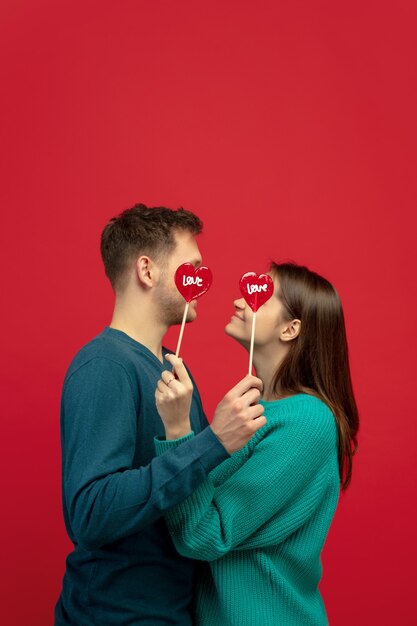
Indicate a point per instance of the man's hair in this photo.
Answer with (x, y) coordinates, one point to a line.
(142, 230)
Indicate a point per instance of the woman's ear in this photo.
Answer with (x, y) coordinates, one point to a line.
(147, 272)
(291, 330)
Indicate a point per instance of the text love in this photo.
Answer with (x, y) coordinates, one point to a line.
(256, 288)
(192, 280)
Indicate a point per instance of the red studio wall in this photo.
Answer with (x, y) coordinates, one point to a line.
(289, 127)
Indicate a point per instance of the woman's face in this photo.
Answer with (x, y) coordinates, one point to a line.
(270, 321)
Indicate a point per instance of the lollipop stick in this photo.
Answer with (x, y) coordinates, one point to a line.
(251, 343)
(184, 317)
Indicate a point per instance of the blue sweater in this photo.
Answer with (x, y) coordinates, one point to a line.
(124, 568)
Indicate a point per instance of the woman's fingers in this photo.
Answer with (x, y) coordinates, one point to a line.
(162, 387)
(180, 369)
(168, 378)
(173, 397)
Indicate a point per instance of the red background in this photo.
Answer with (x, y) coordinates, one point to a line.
(289, 127)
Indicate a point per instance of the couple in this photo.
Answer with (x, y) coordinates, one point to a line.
(177, 522)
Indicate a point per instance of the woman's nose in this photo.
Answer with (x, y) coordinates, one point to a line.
(239, 304)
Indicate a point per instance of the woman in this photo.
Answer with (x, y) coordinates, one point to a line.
(261, 519)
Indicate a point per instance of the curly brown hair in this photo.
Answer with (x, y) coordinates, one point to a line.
(142, 230)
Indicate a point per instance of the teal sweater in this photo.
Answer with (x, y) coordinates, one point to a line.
(260, 521)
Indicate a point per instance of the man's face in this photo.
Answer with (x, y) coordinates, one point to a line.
(170, 301)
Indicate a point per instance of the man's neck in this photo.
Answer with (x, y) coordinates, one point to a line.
(143, 326)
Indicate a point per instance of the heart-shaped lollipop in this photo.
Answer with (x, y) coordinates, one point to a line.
(193, 282)
(256, 289)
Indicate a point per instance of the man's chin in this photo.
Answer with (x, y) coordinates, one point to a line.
(176, 319)
(192, 315)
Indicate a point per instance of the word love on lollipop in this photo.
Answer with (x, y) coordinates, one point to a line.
(191, 283)
(256, 290)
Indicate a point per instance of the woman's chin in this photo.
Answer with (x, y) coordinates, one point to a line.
(231, 331)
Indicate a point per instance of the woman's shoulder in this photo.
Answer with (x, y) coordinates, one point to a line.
(297, 423)
(297, 405)
(302, 413)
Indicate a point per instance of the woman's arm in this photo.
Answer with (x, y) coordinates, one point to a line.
(284, 479)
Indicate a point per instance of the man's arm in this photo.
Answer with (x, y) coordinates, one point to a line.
(106, 499)
(236, 419)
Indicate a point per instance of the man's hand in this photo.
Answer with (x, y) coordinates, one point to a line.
(173, 399)
(239, 416)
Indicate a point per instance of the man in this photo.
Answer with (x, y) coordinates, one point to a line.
(124, 569)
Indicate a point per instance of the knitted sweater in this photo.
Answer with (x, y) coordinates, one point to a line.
(260, 521)
(115, 491)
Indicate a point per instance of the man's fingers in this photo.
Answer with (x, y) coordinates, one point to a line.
(258, 422)
(255, 412)
(244, 385)
(251, 396)
(179, 368)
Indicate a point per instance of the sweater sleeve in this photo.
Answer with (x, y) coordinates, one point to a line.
(106, 498)
(281, 482)
(201, 415)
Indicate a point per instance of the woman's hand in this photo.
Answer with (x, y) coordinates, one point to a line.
(173, 397)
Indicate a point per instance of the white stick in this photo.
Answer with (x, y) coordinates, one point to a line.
(251, 343)
(184, 317)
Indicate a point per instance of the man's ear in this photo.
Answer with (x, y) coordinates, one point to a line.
(147, 272)
(291, 330)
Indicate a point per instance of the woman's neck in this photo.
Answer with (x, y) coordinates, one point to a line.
(266, 366)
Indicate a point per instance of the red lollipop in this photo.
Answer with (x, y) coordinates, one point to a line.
(192, 283)
(256, 290)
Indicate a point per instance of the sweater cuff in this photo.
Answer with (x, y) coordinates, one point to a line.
(209, 448)
(161, 445)
(205, 447)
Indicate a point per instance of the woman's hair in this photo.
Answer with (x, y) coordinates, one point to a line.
(317, 362)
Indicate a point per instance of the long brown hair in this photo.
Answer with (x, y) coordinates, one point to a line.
(317, 362)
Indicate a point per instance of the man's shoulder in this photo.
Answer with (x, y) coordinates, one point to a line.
(105, 348)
